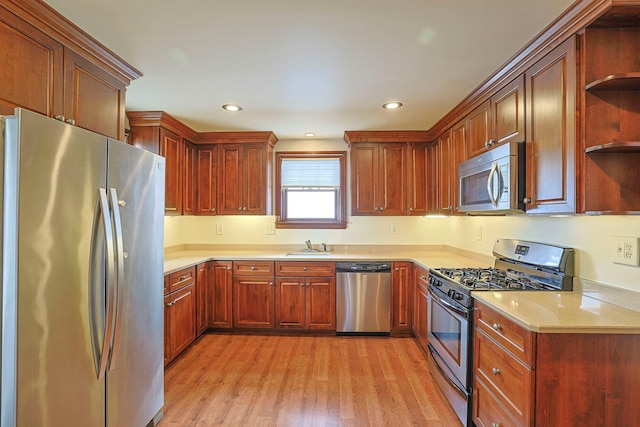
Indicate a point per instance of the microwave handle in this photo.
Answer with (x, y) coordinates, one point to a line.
(495, 171)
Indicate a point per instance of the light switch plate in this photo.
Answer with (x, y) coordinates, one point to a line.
(219, 229)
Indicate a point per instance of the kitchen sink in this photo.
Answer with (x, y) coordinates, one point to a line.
(307, 252)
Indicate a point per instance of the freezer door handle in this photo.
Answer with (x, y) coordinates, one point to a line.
(101, 262)
(117, 227)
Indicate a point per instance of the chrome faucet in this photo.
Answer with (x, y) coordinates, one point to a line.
(324, 247)
(308, 242)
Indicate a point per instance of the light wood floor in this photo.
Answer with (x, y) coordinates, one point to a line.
(250, 380)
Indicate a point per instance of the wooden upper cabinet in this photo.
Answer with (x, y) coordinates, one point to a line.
(551, 131)
(52, 67)
(206, 180)
(445, 175)
(31, 76)
(93, 98)
(479, 128)
(244, 179)
(420, 182)
(458, 155)
(508, 113)
(498, 120)
(189, 168)
(172, 150)
(379, 179)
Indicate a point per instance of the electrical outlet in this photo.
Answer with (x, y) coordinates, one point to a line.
(479, 233)
(270, 229)
(219, 229)
(626, 250)
(394, 229)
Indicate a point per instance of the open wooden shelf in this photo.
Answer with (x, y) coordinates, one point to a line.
(623, 81)
(615, 147)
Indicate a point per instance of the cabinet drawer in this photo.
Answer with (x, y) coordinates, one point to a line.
(487, 410)
(511, 336)
(509, 380)
(181, 278)
(253, 268)
(422, 276)
(304, 268)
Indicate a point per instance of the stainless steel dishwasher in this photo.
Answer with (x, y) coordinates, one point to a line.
(363, 298)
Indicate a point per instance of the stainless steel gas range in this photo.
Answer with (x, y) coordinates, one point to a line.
(519, 265)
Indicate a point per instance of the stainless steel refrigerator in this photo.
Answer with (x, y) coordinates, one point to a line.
(82, 269)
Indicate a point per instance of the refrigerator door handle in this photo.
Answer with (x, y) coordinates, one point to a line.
(98, 306)
(117, 226)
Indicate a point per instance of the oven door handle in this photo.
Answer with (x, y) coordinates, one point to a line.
(462, 312)
(444, 374)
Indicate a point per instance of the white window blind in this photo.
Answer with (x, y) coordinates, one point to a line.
(310, 173)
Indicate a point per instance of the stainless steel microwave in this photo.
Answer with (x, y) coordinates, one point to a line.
(494, 182)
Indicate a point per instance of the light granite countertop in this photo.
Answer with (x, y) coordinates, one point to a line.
(590, 308)
(561, 312)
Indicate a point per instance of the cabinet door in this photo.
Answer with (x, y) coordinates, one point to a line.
(445, 205)
(230, 179)
(92, 97)
(219, 294)
(459, 155)
(256, 181)
(188, 189)
(206, 194)
(422, 315)
(31, 73)
(364, 179)
(182, 319)
(401, 277)
(419, 179)
(202, 286)
(253, 305)
(321, 303)
(171, 150)
(508, 114)
(551, 131)
(290, 302)
(479, 128)
(392, 176)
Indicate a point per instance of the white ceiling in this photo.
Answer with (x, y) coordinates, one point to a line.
(297, 66)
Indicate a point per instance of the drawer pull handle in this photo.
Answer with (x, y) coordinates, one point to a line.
(183, 277)
(495, 371)
(253, 267)
(497, 326)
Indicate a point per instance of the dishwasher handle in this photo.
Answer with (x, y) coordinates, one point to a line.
(363, 267)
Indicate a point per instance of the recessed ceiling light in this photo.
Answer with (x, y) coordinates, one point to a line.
(309, 134)
(392, 105)
(232, 107)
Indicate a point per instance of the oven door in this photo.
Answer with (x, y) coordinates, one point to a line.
(448, 332)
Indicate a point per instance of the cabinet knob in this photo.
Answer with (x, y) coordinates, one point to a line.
(376, 209)
(239, 208)
(183, 277)
(304, 268)
(270, 283)
(381, 208)
(423, 277)
(59, 117)
(526, 200)
(72, 122)
(244, 208)
(497, 326)
(122, 203)
(495, 371)
(228, 268)
(253, 267)
(495, 424)
(410, 209)
(213, 209)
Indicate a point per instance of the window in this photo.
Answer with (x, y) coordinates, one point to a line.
(310, 190)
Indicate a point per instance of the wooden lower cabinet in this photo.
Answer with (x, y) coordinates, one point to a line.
(401, 280)
(523, 378)
(306, 295)
(180, 321)
(202, 287)
(253, 302)
(219, 294)
(421, 307)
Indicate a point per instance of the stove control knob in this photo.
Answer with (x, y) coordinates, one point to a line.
(459, 296)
